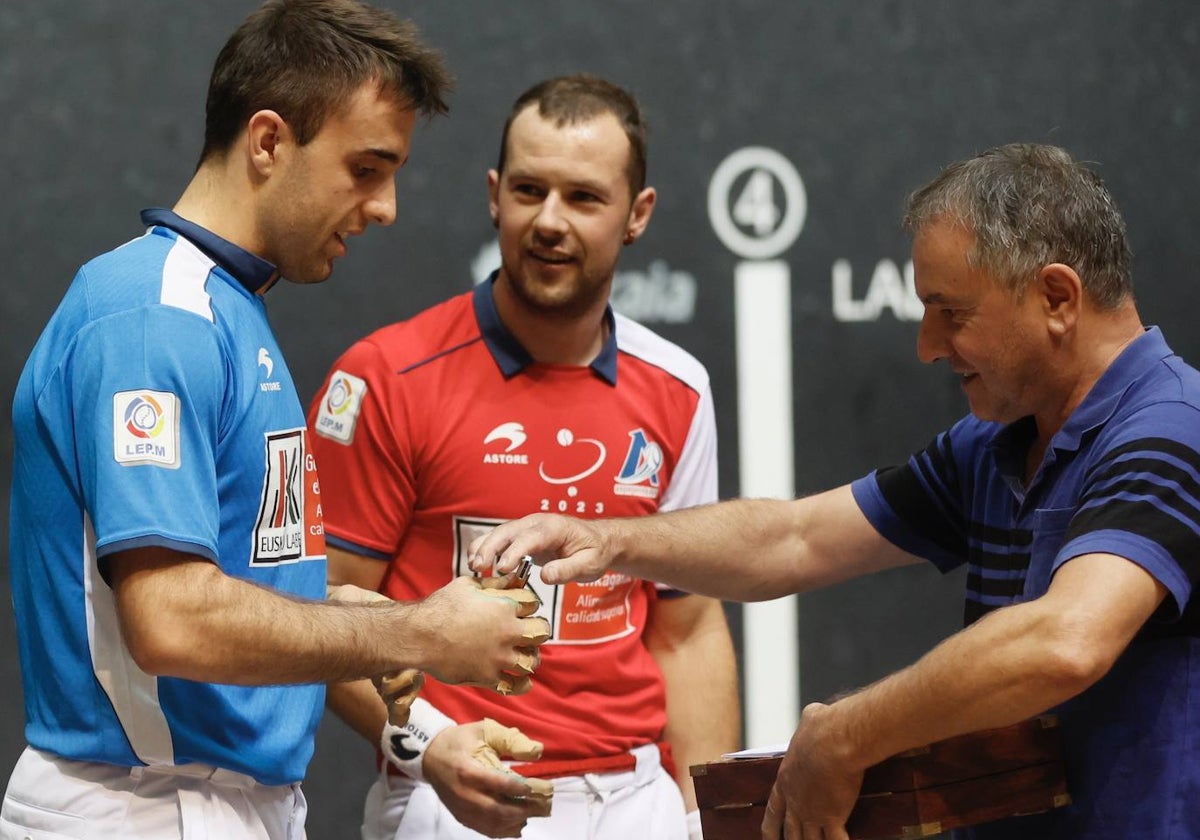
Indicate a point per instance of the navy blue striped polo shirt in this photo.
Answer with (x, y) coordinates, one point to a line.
(1122, 476)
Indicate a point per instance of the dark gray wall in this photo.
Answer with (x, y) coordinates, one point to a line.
(102, 115)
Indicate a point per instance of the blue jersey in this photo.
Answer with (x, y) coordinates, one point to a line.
(1122, 476)
(156, 410)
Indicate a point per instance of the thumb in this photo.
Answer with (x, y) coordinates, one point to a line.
(526, 600)
(399, 691)
(510, 741)
(567, 569)
(505, 740)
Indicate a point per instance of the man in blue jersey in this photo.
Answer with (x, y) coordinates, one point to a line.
(1072, 493)
(167, 554)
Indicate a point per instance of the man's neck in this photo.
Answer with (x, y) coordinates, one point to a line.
(549, 337)
(1096, 349)
(209, 202)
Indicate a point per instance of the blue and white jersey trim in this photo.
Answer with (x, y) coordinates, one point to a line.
(133, 692)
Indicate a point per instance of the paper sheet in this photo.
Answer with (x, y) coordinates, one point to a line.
(759, 752)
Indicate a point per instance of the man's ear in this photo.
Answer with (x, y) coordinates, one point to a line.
(493, 182)
(266, 133)
(1060, 292)
(639, 214)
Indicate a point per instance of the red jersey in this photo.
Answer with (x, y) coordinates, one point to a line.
(431, 431)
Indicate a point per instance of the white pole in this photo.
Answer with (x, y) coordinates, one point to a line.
(763, 320)
(748, 219)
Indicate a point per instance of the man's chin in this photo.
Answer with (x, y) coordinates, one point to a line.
(305, 278)
(546, 298)
(992, 413)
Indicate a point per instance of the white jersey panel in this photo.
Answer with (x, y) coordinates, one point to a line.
(184, 277)
(643, 343)
(694, 481)
(133, 692)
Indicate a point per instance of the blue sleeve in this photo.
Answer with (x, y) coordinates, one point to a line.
(1141, 499)
(891, 527)
(147, 387)
(921, 506)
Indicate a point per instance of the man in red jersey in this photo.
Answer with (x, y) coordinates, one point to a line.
(529, 394)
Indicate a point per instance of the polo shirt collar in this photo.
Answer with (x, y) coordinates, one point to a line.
(1143, 353)
(254, 273)
(1096, 408)
(512, 358)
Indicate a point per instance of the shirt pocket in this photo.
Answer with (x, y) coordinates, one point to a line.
(1049, 532)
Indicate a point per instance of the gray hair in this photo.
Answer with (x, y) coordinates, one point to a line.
(1030, 205)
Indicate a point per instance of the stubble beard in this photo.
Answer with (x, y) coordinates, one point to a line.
(313, 268)
(572, 298)
(298, 257)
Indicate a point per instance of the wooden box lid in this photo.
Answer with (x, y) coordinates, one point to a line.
(969, 779)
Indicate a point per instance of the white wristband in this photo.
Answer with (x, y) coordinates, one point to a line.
(404, 746)
(693, 826)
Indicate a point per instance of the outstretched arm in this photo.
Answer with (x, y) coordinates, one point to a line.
(744, 549)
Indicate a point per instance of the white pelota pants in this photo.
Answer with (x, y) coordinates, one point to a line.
(52, 798)
(640, 803)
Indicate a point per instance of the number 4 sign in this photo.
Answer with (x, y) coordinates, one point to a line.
(754, 206)
(748, 219)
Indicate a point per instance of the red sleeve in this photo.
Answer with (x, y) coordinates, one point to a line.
(363, 459)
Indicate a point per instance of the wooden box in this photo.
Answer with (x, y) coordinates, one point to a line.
(961, 781)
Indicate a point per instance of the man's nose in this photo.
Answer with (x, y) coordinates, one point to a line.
(551, 218)
(931, 341)
(381, 207)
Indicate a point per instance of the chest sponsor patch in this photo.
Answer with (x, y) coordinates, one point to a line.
(338, 413)
(639, 473)
(290, 524)
(146, 428)
(578, 613)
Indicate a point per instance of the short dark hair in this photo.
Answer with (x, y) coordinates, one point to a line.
(304, 58)
(580, 97)
(1030, 205)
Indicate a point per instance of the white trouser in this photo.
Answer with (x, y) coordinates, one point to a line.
(628, 805)
(53, 798)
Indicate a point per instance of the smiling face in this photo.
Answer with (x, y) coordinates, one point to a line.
(994, 340)
(563, 208)
(333, 187)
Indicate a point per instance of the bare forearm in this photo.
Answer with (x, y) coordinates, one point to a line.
(1009, 666)
(704, 549)
(223, 629)
(690, 641)
(702, 714)
(359, 705)
(183, 616)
